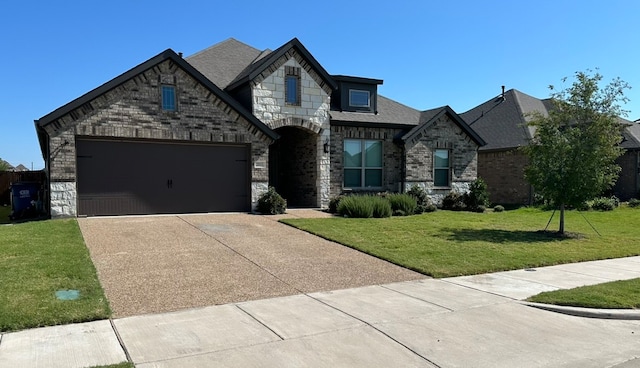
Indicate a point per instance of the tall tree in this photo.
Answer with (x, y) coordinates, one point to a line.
(4, 165)
(573, 152)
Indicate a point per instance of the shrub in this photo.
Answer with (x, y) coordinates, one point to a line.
(402, 204)
(422, 200)
(271, 203)
(498, 208)
(634, 202)
(477, 196)
(604, 203)
(334, 202)
(364, 206)
(478, 209)
(454, 201)
(430, 208)
(381, 207)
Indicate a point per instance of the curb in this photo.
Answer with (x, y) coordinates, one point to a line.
(619, 314)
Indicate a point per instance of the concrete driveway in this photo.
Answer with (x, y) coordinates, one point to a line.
(154, 264)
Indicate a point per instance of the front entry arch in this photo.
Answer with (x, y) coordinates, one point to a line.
(293, 166)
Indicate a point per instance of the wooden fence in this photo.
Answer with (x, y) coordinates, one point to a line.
(8, 177)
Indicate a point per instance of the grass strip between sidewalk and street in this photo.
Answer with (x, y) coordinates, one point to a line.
(611, 295)
(447, 243)
(38, 259)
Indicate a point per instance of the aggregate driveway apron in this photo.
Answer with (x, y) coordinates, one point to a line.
(154, 264)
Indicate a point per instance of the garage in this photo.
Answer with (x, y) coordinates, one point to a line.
(123, 177)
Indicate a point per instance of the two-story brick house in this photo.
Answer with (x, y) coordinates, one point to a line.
(211, 132)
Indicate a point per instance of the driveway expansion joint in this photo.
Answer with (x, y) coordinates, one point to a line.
(120, 341)
(260, 322)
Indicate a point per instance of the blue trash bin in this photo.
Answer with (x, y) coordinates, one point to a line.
(25, 197)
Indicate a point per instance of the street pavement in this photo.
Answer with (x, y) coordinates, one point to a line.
(468, 321)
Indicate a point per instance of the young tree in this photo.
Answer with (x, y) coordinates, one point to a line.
(573, 152)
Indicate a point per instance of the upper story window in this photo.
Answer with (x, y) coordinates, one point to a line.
(292, 85)
(441, 168)
(362, 163)
(359, 98)
(168, 98)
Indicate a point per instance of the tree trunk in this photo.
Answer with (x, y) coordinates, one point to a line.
(561, 230)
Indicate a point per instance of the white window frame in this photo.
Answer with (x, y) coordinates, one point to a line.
(359, 91)
(363, 168)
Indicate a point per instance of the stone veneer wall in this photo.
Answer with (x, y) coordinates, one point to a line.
(392, 156)
(133, 110)
(463, 159)
(503, 171)
(268, 95)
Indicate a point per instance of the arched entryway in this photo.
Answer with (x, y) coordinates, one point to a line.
(293, 166)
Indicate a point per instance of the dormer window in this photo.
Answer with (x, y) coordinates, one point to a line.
(292, 85)
(359, 98)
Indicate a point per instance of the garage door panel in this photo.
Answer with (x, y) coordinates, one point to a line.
(123, 177)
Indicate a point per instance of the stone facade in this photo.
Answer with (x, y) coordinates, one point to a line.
(133, 110)
(463, 158)
(309, 167)
(503, 171)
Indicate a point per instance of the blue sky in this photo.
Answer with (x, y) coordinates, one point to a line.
(429, 53)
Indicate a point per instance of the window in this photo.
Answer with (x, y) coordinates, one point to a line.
(358, 98)
(292, 85)
(441, 168)
(362, 163)
(168, 98)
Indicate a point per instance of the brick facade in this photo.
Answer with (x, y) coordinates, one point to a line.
(463, 158)
(503, 171)
(628, 184)
(133, 110)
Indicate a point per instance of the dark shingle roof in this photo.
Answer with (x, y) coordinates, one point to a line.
(389, 112)
(502, 122)
(631, 136)
(224, 61)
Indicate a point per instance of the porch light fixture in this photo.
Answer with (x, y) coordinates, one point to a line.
(326, 146)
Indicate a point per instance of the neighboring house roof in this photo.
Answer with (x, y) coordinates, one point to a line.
(165, 55)
(502, 121)
(8, 166)
(224, 61)
(631, 137)
(20, 167)
(389, 112)
(265, 60)
(427, 117)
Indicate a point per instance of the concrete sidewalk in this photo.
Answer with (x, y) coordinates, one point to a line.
(470, 321)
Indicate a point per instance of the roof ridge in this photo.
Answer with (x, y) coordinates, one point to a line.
(218, 44)
(528, 130)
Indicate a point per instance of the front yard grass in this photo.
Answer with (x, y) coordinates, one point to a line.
(36, 260)
(611, 295)
(446, 243)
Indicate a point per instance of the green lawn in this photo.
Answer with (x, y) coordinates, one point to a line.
(611, 295)
(36, 260)
(446, 243)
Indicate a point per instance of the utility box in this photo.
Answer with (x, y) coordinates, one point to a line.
(26, 201)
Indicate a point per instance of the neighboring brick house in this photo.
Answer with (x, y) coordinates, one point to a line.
(502, 123)
(211, 132)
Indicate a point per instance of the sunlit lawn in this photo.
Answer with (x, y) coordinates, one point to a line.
(36, 260)
(446, 243)
(611, 295)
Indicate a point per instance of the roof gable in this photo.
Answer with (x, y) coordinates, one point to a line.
(83, 102)
(429, 117)
(267, 64)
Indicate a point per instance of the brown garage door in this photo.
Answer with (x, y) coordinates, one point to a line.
(135, 177)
